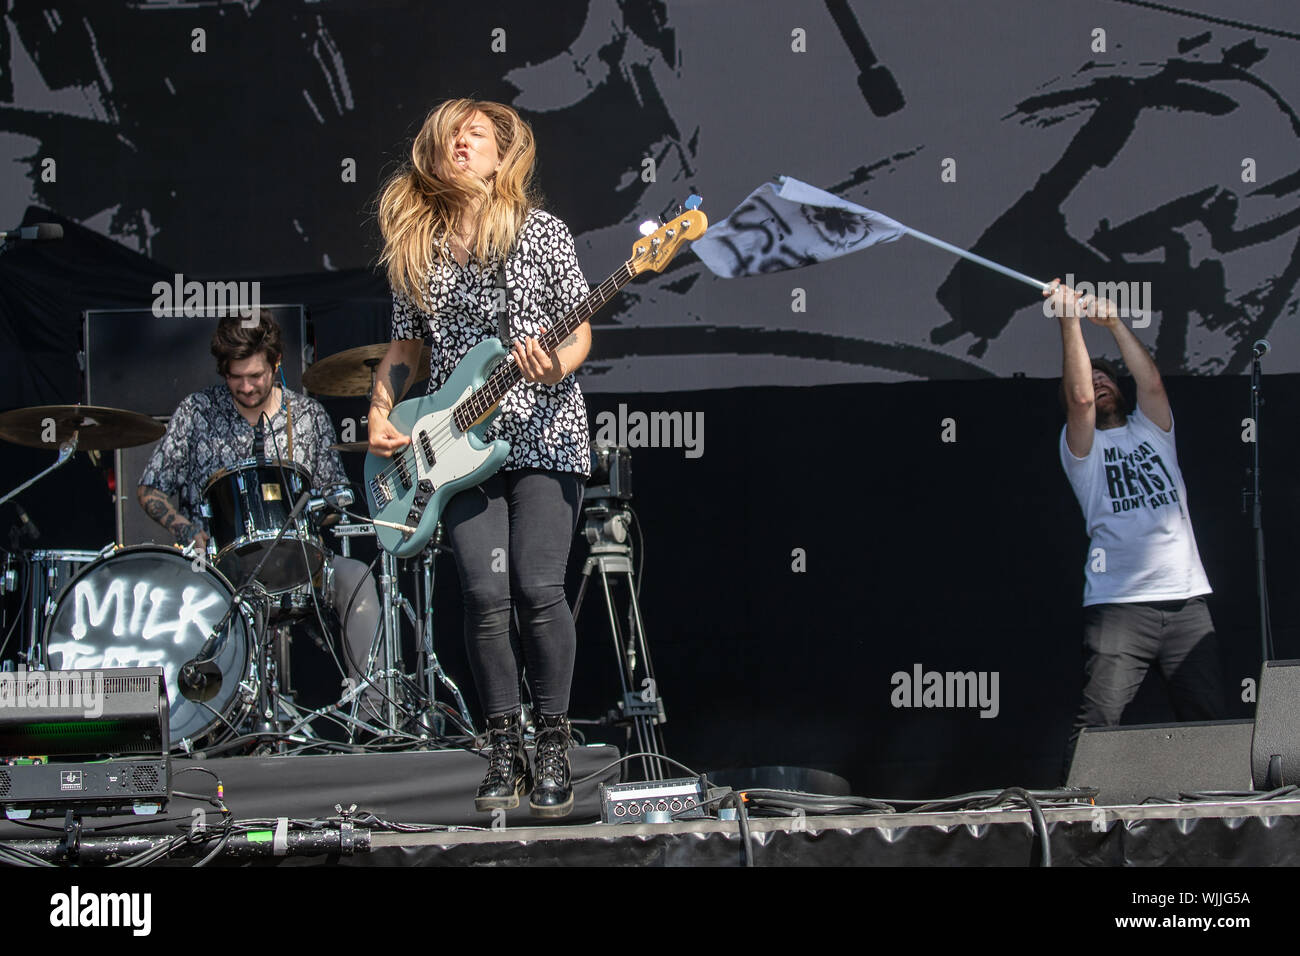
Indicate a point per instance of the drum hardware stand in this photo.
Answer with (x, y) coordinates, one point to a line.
(343, 710)
(279, 710)
(378, 673)
(390, 630)
(606, 524)
(427, 664)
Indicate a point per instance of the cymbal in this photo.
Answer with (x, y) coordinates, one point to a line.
(345, 374)
(97, 428)
(351, 446)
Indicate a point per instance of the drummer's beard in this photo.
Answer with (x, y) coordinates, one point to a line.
(257, 398)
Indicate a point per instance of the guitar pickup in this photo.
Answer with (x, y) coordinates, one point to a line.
(403, 467)
(426, 446)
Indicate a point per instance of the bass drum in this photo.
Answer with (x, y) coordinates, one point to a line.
(150, 606)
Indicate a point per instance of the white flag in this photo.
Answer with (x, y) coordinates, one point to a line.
(787, 226)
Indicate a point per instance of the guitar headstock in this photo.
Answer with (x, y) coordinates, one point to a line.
(653, 252)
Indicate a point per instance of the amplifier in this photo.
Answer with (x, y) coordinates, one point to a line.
(117, 710)
(631, 802)
(39, 790)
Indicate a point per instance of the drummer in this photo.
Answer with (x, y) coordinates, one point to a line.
(214, 428)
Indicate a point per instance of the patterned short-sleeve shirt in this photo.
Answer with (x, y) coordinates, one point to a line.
(207, 434)
(546, 425)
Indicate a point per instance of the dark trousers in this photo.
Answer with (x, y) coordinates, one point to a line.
(511, 538)
(1121, 641)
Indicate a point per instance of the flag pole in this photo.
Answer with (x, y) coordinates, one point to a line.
(989, 263)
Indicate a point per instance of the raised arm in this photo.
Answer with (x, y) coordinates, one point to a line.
(1080, 409)
(1151, 397)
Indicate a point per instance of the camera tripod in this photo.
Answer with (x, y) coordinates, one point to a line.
(606, 522)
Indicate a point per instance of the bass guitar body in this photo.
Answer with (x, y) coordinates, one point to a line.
(414, 486)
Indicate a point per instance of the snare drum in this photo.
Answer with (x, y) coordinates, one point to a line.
(149, 606)
(247, 505)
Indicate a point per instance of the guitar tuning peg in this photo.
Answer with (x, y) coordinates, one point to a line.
(693, 201)
(649, 226)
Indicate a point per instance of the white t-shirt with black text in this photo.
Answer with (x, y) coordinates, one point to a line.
(1134, 503)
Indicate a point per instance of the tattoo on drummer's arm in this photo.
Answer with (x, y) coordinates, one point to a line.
(157, 507)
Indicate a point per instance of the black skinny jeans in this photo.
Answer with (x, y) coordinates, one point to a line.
(1121, 641)
(511, 538)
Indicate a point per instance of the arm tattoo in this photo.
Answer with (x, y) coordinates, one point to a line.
(398, 373)
(157, 507)
(573, 337)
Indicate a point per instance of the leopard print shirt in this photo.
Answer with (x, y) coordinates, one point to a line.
(546, 425)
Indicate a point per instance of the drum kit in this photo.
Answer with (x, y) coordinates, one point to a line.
(217, 622)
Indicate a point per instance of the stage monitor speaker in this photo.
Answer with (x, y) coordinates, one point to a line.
(1275, 747)
(1129, 764)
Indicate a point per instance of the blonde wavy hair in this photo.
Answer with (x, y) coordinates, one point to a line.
(420, 211)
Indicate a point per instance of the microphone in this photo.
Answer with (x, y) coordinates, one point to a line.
(37, 233)
(26, 525)
(200, 680)
(1261, 348)
(200, 677)
(259, 443)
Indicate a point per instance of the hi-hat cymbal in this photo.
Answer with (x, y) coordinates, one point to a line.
(97, 428)
(346, 374)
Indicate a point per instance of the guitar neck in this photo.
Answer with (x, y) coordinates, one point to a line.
(507, 374)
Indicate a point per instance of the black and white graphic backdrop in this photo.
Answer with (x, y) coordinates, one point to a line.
(1117, 140)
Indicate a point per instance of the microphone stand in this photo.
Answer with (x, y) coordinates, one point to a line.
(66, 451)
(1257, 517)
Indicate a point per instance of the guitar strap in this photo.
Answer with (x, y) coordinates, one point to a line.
(503, 315)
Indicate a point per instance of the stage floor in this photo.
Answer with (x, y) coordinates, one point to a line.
(416, 809)
(1204, 834)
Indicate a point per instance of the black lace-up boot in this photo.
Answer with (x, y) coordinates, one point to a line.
(507, 774)
(553, 790)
